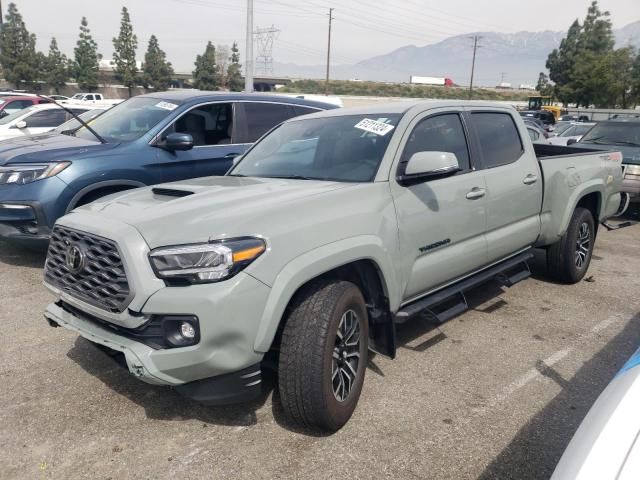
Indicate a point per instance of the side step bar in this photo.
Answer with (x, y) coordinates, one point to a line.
(450, 301)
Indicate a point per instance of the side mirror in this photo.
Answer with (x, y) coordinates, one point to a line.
(429, 165)
(571, 141)
(178, 141)
(20, 124)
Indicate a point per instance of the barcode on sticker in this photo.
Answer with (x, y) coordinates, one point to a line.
(373, 126)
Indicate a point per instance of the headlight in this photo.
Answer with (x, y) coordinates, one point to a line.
(27, 173)
(205, 262)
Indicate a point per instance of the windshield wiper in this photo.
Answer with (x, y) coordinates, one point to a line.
(625, 142)
(70, 112)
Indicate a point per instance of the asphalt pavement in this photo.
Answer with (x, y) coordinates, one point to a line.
(495, 393)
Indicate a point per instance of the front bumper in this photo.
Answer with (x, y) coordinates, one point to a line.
(631, 185)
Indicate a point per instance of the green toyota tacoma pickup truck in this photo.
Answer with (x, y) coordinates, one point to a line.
(332, 229)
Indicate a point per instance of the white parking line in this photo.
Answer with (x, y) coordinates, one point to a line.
(556, 357)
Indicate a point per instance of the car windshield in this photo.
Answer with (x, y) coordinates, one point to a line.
(614, 133)
(71, 125)
(12, 117)
(128, 120)
(340, 148)
(562, 127)
(78, 96)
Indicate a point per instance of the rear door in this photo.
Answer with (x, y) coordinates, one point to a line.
(441, 222)
(257, 118)
(514, 183)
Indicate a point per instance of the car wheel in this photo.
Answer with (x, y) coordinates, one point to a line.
(568, 259)
(323, 355)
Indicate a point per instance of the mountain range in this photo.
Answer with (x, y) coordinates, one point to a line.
(516, 58)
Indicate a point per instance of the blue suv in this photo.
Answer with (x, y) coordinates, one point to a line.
(145, 140)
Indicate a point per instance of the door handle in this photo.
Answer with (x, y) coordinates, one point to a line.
(530, 179)
(476, 193)
(231, 155)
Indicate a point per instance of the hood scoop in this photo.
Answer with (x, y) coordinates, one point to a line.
(171, 192)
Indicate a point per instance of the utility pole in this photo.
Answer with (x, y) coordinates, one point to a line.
(326, 83)
(475, 39)
(1, 16)
(248, 63)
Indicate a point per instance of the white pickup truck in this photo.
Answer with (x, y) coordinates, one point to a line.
(93, 99)
(328, 232)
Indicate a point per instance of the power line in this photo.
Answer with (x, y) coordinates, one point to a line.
(248, 74)
(475, 39)
(265, 38)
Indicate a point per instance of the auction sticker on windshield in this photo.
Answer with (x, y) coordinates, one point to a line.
(374, 126)
(166, 105)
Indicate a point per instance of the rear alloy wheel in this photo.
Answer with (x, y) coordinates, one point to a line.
(323, 354)
(568, 259)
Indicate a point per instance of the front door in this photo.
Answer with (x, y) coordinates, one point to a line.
(213, 128)
(441, 222)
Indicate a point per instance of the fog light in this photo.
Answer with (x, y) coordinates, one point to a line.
(187, 330)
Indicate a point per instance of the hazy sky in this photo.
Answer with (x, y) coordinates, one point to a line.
(362, 28)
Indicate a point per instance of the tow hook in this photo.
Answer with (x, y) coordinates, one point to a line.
(137, 371)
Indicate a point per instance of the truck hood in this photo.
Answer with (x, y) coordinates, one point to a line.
(48, 147)
(212, 207)
(630, 155)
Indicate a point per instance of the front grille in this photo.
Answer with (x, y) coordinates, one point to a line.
(97, 276)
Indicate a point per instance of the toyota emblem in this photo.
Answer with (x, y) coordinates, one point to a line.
(74, 258)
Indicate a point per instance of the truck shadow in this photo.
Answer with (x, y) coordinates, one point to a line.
(537, 447)
(18, 255)
(163, 403)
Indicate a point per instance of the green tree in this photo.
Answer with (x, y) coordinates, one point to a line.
(124, 55)
(56, 67)
(85, 67)
(235, 82)
(156, 70)
(543, 86)
(17, 49)
(561, 63)
(635, 80)
(620, 76)
(205, 76)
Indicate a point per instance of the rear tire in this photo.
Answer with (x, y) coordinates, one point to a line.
(568, 259)
(323, 355)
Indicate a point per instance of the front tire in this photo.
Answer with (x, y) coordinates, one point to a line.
(323, 355)
(568, 259)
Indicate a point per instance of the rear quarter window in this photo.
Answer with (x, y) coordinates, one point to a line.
(498, 138)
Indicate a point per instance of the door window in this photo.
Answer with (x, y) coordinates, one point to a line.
(16, 105)
(46, 119)
(262, 117)
(442, 133)
(533, 134)
(208, 124)
(500, 142)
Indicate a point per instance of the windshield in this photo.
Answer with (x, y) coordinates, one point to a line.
(128, 120)
(614, 133)
(15, 115)
(342, 149)
(73, 124)
(561, 127)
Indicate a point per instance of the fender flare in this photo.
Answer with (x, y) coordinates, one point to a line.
(311, 265)
(98, 185)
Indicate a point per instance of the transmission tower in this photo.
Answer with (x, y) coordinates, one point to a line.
(265, 38)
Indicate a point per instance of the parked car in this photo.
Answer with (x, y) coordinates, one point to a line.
(327, 232)
(35, 119)
(560, 127)
(606, 444)
(58, 98)
(94, 98)
(70, 126)
(12, 104)
(536, 134)
(145, 140)
(574, 118)
(572, 134)
(622, 134)
(544, 116)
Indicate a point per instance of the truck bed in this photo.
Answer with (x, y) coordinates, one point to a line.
(546, 151)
